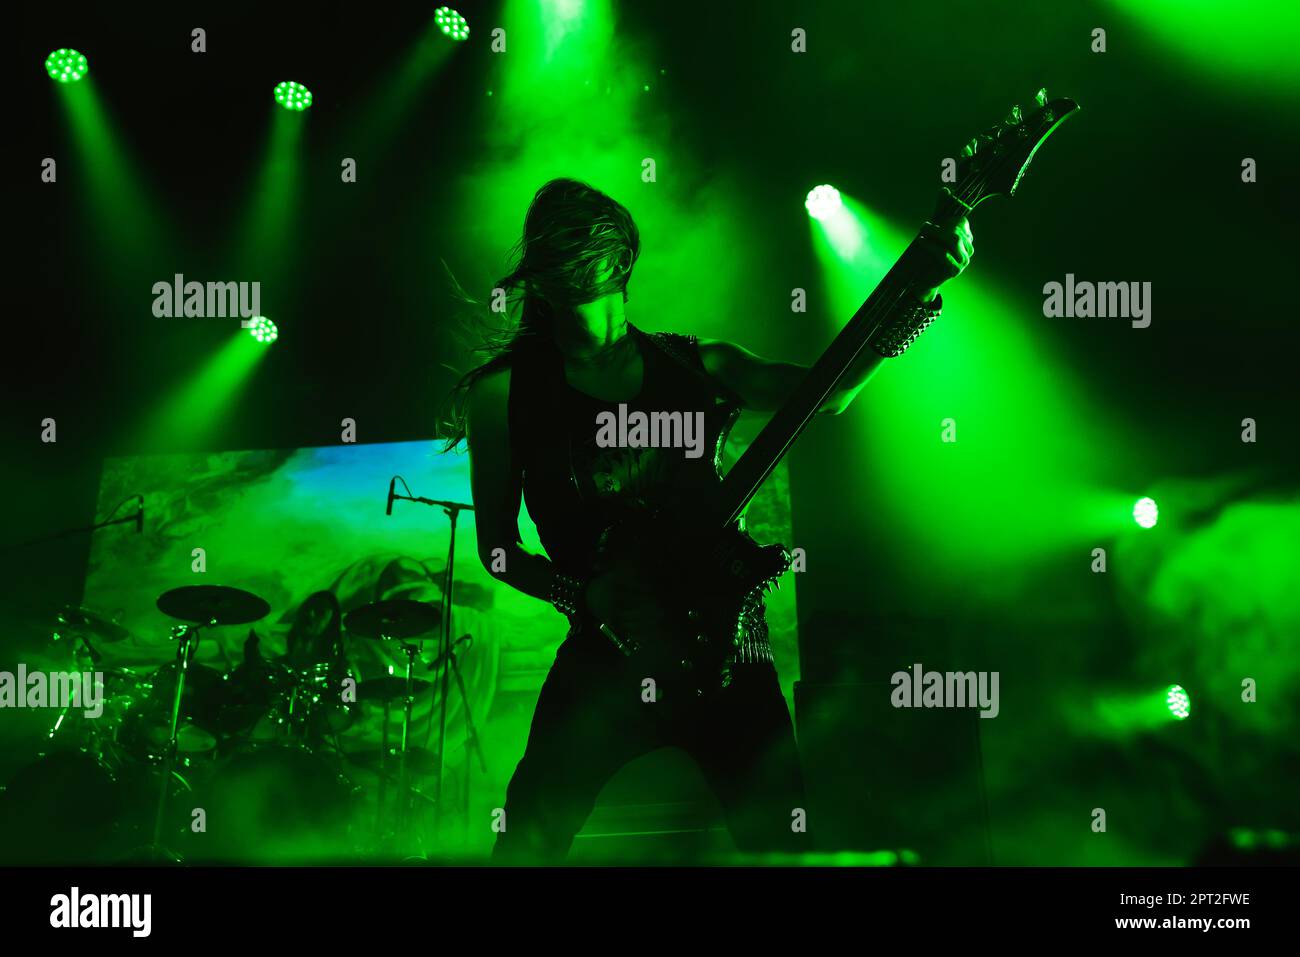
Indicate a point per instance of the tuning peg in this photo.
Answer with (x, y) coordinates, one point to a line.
(1014, 118)
(1040, 98)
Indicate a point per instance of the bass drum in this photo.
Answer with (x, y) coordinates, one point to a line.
(320, 696)
(304, 709)
(248, 694)
(146, 726)
(275, 804)
(64, 809)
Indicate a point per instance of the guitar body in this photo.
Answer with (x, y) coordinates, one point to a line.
(710, 582)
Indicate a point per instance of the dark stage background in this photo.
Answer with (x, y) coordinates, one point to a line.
(970, 555)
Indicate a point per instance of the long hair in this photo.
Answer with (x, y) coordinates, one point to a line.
(578, 246)
(317, 631)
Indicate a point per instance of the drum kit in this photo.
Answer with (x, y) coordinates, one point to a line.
(242, 766)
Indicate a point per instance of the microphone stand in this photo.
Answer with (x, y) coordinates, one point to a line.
(472, 742)
(137, 516)
(446, 656)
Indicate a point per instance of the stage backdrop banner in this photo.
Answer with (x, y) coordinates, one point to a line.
(285, 524)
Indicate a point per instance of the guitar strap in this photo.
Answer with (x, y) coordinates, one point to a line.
(684, 351)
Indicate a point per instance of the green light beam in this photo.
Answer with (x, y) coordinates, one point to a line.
(1021, 478)
(267, 240)
(1247, 43)
(127, 229)
(393, 98)
(189, 418)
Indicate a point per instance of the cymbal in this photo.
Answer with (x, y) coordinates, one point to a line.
(390, 688)
(419, 761)
(83, 621)
(221, 604)
(472, 595)
(395, 618)
(465, 594)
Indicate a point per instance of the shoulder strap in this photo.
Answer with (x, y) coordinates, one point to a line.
(685, 351)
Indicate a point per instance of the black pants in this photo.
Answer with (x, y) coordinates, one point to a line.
(591, 720)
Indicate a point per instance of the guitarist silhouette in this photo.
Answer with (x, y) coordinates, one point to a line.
(667, 643)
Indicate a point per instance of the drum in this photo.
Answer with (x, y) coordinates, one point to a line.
(98, 734)
(63, 809)
(147, 725)
(275, 804)
(249, 694)
(305, 707)
(320, 700)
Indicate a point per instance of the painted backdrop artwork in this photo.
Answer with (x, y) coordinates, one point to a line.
(287, 524)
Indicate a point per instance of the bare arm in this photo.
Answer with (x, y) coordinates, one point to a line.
(496, 484)
(618, 595)
(763, 385)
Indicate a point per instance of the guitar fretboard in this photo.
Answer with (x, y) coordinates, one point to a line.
(779, 434)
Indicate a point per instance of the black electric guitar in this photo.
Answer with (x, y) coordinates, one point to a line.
(700, 559)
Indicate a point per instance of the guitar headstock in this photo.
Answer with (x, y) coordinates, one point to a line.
(993, 163)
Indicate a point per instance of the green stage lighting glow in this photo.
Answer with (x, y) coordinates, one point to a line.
(1179, 702)
(292, 96)
(451, 23)
(822, 201)
(263, 330)
(1145, 512)
(66, 66)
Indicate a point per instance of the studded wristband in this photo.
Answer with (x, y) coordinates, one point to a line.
(901, 329)
(566, 594)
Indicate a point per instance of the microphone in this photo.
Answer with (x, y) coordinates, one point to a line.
(392, 485)
(139, 515)
(463, 639)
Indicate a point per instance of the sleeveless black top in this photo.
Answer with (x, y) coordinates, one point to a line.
(573, 487)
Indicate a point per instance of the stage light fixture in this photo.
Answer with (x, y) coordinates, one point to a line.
(1145, 512)
(822, 201)
(66, 66)
(451, 23)
(292, 96)
(1178, 701)
(263, 330)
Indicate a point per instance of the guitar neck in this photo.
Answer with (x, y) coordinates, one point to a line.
(992, 165)
(779, 434)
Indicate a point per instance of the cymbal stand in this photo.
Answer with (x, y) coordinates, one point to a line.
(188, 637)
(84, 659)
(472, 743)
(403, 777)
(383, 773)
(402, 824)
